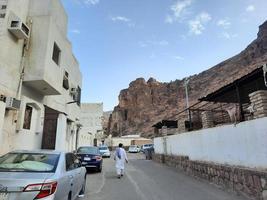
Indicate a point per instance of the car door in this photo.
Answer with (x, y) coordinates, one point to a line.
(79, 176)
(72, 174)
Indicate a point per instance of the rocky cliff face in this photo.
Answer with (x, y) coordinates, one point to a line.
(145, 103)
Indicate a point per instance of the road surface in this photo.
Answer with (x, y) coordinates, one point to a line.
(147, 180)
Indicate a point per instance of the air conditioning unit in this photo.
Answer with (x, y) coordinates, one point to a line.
(19, 29)
(12, 103)
(73, 91)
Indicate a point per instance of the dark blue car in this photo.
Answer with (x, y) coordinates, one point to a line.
(90, 157)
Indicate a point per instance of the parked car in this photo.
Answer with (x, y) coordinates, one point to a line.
(43, 174)
(90, 157)
(146, 146)
(104, 151)
(134, 149)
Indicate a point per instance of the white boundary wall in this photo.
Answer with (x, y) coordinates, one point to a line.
(244, 144)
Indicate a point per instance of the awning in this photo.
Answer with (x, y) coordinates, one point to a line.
(238, 89)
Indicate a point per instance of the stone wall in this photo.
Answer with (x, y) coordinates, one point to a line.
(244, 181)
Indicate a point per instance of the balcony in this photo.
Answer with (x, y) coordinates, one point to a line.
(43, 71)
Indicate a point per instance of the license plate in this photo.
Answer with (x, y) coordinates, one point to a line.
(4, 196)
(87, 159)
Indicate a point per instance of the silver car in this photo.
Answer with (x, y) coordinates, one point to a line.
(45, 175)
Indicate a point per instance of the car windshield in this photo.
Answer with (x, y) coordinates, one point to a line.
(88, 150)
(103, 148)
(29, 162)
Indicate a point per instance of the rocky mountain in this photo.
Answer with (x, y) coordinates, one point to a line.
(145, 103)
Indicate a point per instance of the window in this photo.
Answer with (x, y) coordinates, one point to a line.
(3, 7)
(56, 54)
(69, 162)
(29, 162)
(79, 96)
(66, 81)
(27, 117)
(72, 162)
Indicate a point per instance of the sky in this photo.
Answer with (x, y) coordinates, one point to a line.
(117, 41)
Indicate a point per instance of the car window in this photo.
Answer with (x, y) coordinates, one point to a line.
(88, 150)
(103, 148)
(70, 162)
(30, 162)
(77, 162)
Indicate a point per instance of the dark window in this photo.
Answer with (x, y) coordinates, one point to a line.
(79, 96)
(2, 15)
(72, 162)
(56, 54)
(69, 162)
(25, 29)
(88, 150)
(3, 7)
(66, 81)
(14, 23)
(27, 117)
(125, 115)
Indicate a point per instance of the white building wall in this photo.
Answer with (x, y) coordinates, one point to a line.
(243, 144)
(49, 25)
(91, 120)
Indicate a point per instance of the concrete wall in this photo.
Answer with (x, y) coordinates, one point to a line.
(243, 144)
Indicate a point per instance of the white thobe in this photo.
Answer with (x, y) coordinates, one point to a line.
(120, 162)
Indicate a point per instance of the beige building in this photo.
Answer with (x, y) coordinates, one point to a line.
(127, 140)
(40, 79)
(91, 132)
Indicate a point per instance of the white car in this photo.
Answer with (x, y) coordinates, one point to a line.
(42, 174)
(146, 146)
(134, 149)
(104, 151)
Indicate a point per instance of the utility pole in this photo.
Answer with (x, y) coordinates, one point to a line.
(186, 82)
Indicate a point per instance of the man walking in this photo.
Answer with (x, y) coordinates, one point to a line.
(120, 157)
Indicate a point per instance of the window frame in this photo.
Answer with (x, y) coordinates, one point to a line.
(56, 54)
(25, 125)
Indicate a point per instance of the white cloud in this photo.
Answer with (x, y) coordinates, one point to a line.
(91, 2)
(123, 19)
(178, 10)
(120, 18)
(250, 8)
(197, 26)
(144, 44)
(162, 43)
(178, 58)
(228, 36)
(76, 31)
(169, 19)
(224, 23)
(180, 7)
(87, 2)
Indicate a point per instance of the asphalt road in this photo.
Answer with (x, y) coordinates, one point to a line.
(147, 180)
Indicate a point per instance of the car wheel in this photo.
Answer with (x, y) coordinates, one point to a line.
(69, 196)
(99, 169)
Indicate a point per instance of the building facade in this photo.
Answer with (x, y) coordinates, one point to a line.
(91, 132)
(40, 79)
